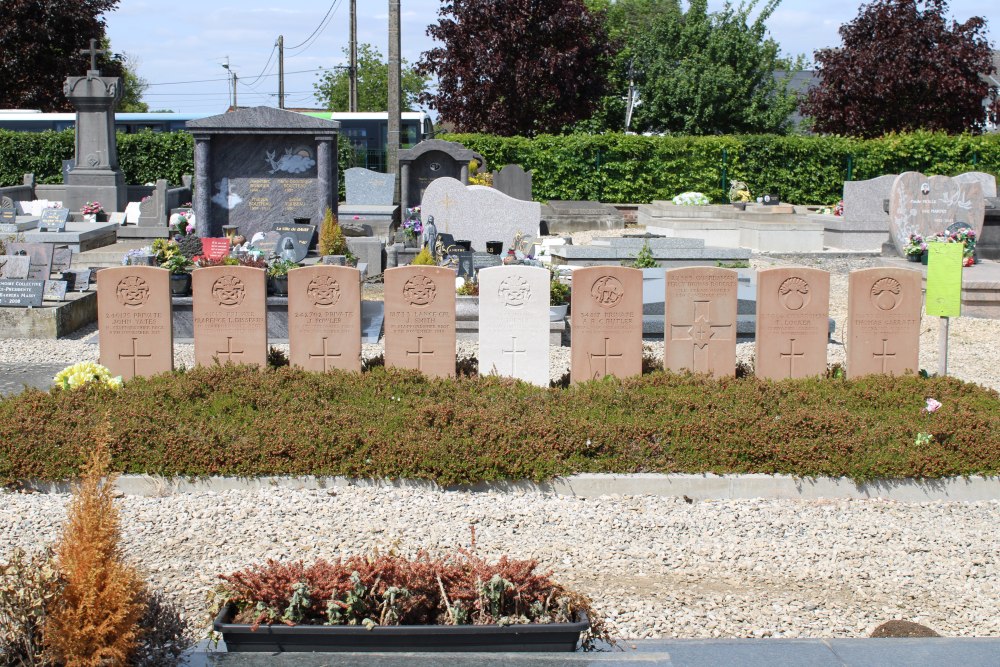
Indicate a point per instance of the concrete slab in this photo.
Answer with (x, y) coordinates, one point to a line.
(51, 320)
(79, 236)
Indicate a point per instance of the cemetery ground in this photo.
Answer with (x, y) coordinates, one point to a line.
(654, 566)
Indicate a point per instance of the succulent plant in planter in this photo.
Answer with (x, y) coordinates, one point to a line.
(277, 276)
(180, 274)
(558, 298)
(391, 603)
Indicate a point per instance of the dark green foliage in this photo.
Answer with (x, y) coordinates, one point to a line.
(621, 168)
(236, 420)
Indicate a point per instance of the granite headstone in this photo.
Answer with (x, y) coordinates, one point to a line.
(55, 290)
(368, 188)
(40, 255)
(21, 293)
(15, 267)
(513, 181)
(478, 213)
(430, 160)
(925, 205)
(53, 220)
(302, 235)
(864, 201)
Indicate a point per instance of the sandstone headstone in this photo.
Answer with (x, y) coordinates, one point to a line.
(700, 320)
(606, 305)
(793, 310)
(14, 267)
(864, 201)
(513, 181)
(514, 323)
(230, 316)
(324, 318)
(420, 319)
(40, 255)
(883, 321)
(135, 320)
(925, 205)
(369, 188)
(478, 213)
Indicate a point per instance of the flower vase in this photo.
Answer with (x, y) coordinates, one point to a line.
(913, 257)
(923, 258)
(90, 217)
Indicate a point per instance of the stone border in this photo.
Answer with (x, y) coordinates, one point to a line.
(695, 487)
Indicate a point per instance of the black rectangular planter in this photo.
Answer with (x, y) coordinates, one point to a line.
(535, 637)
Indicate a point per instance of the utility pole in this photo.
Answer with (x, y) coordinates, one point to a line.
(236, 104)
(281, 71)
(352, 97)
(229, 74)
(395, 92)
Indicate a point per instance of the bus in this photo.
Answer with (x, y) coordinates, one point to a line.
(366, 131)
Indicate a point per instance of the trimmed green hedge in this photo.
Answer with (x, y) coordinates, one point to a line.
(620, 168)
(144, 157)
(241, 421)
(613, 168)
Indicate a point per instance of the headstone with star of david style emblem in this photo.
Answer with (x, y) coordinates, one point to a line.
(793, 311)
(514, 323)
(324, 318)
(606, 305)
(700, 320)
(230, 315)
(883, 321)
(420, 319)
(134, 318)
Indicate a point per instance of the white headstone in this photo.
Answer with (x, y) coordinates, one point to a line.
(514, 323)
(478, 213)
(132, 213)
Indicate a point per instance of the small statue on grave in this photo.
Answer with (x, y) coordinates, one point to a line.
(430, 234)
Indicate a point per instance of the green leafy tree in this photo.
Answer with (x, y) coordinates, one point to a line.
(373, 83)
(903, 66)
(133, 85)
(517, 67)
(698, 72)
(40, 43)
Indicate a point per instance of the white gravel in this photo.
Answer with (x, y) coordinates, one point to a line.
(655, 567)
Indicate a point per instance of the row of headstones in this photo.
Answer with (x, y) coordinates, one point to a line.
(324, 320)
(26, 271)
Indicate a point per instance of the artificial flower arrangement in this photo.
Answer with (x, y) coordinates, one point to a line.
(915, 245)
(739, 192)
(691, 199)
(92, 208)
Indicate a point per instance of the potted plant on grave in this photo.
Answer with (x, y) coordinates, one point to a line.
(467, 299)
(739, 195)
(412, 227)
(93, 212)
(915, 248)
(332, 242)
(558, 299)
(180, 274)
(277, 276)
(391, 603)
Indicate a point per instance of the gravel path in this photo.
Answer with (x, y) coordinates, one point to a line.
(656, 567)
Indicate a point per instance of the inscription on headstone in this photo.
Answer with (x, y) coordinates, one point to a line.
(53, 220)
(215, 248)
(134, 318)
(925, 205)
(40, 255)
(420, 319)
(230, 315)
(324, 318)
(793, 310)
(514, 323)
(302, 235)
(606, 307)
(55, 290)
(700, 320)
(21, 292)
(883, 322)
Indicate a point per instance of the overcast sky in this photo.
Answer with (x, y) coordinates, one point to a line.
(180, 46)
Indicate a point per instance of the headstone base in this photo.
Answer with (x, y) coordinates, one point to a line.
(50, 321)
(567, 217)
(79, 236)
(142, 232)
(381, 219)
(105, 186)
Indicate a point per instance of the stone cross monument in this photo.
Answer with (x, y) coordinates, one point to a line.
(96, 176)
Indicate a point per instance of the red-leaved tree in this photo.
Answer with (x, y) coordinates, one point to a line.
(517, 67)
(40, 43)
(903, 66)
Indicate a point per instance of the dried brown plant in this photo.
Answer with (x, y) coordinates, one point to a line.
(95, 620)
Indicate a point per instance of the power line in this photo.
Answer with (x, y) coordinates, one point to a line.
(259, 76)
(324, 22)
(263, 76)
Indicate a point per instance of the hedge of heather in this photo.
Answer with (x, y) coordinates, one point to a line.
(241, 421)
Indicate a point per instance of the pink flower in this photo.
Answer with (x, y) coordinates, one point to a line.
(932, 405)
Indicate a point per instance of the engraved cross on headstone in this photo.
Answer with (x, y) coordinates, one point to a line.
(326, 356)
(134, 357)
(420, 352)
(884, 356)
(791, 354)
(700, 332)
(93, 52)
(603, 357)
(513, 352)
(229, 352)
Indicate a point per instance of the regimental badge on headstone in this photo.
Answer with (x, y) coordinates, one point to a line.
(793, 311)
(606, 305)
(883, 322)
